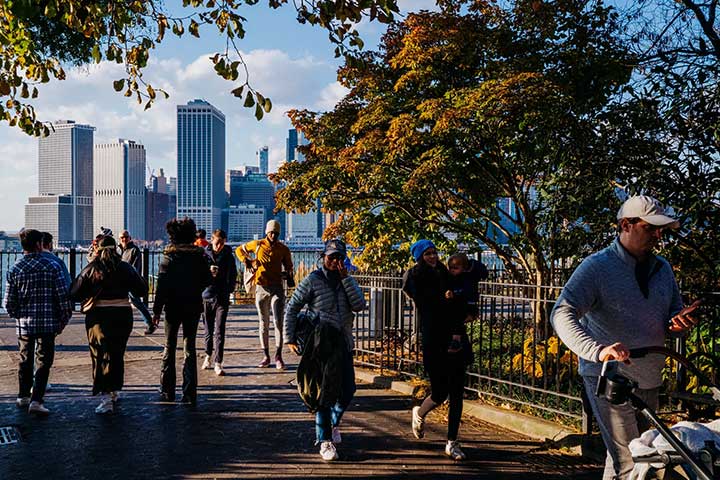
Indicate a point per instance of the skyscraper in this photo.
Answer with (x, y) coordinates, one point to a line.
(294, 140)
(301, 228)
(159, 183)
(263, 155)
(245, 223)
(64, 205)
(251, 189)
(201, 163)
(291, 144)
(119, 181)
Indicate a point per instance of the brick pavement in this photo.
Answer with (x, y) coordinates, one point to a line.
(248, 424)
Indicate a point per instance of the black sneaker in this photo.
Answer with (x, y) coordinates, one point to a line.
(150, 329)
(191, 402)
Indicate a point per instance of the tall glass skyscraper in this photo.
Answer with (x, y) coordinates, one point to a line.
(119, 181)
(302, 229)
(263, 155)
(291, 144)
(201, 163)
(64, 205)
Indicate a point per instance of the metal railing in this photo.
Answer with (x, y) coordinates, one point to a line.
(517, 359)
(304, 260)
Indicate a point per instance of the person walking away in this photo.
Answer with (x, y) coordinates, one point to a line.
(216, 298)
(183, 274)
(621, 298)
(201, 239)
(334, 296)
(38, 298)
(271, 261)
(131, 254)
(47, 250)
(103, 288)
(442, 327)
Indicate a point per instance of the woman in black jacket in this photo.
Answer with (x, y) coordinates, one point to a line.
(103, 287)
(441, 322)
(183, 274)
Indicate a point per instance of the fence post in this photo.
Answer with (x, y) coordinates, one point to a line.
(146, 270)
(71, 264)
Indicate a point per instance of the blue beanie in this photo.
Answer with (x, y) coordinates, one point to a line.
(419, 247)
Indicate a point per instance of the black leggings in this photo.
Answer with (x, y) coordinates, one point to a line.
(449, 382)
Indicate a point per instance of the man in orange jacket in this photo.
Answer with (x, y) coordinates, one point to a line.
(272, 263)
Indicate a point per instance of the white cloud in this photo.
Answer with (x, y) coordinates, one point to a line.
(331, 95)
(407, 6)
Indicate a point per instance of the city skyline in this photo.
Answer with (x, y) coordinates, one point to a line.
(296, 70)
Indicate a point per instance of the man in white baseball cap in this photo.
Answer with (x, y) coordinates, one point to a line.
(621, 298)
(647, 209)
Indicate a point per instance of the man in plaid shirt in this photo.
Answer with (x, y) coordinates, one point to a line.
(38, 298)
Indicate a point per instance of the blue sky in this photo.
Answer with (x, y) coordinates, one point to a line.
(293, 64)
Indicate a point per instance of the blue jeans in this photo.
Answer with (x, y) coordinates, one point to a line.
(327, 418)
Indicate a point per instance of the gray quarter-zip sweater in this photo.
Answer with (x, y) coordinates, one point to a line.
(602, 304)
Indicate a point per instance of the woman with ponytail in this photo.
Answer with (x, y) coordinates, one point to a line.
(102, 288)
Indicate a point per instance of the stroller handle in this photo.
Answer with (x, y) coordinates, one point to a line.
(681, 359)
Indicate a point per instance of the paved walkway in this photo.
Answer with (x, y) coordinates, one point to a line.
(248, 424)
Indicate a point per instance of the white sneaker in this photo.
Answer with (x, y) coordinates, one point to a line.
(106, 404)
(22, 402)
(219, 370)
(38, 408)
(336, 437)
(114, 397)
(452, 450)
(206, 363)
(418, 423)
(328, 451)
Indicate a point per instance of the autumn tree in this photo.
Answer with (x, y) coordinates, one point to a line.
(38, 38)
(677, 49)
(461, 108)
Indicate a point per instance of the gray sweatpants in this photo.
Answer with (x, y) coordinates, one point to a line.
(270, 299)
(618, 425)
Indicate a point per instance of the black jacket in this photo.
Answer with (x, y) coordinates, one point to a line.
(114, 285)
(222, 284)
(465, 286)
(183, 274)
(320, 372)
(439, 318)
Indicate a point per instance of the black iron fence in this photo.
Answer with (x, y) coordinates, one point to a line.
(304, 260)
(517, 359)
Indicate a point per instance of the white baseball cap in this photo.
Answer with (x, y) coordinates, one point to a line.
(648, 209)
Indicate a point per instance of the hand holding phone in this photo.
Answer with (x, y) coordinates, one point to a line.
(684, 320)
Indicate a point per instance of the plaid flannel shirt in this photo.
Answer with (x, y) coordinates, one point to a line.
(38, 295)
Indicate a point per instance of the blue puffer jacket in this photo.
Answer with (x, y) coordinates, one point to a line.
(335, 306)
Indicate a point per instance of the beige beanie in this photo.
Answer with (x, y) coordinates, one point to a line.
(272, 226)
